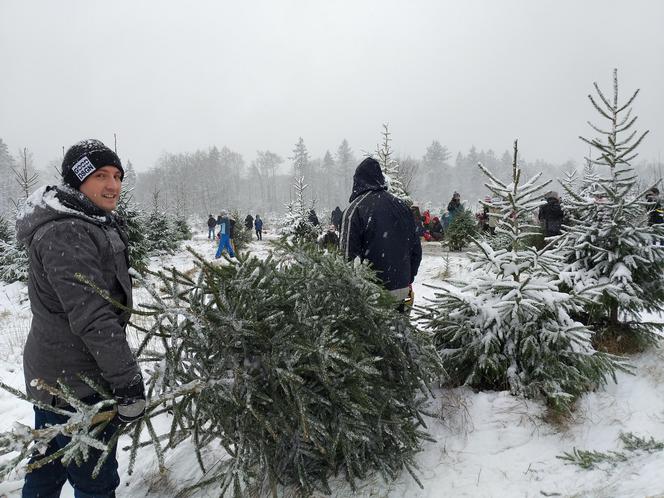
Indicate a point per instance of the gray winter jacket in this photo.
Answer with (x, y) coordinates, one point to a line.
(74, 330)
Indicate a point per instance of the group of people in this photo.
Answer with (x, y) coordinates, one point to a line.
(226, 233)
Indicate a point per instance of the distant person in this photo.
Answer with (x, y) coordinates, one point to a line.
(655, 213)
(313, 219)
(336, 217)
(551, 215)
(379, 228)
(417, 218)
(211, 223)
(258, 225)
(329, 240)
(76, 333)
(453, 208)
(249, 223)
(224, 236)
(436, 229)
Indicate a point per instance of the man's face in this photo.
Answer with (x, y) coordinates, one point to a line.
(103, 187)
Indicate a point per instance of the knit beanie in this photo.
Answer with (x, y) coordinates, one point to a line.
(84, 158)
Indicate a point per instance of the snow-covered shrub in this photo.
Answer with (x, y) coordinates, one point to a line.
(609, 244)
(462, 229)
(511, 327)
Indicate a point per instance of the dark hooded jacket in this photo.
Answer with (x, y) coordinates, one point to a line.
(379, 227)
(336, 217)
(551, 217)
(74, 330)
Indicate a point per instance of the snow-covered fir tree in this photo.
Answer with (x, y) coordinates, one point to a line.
(134, 223)
(461, 231)
(390, 167)
(129, 181)
(160, 231)
(181, 226)
(297, 224)
(609, 243)
(14, 261)
(511, 327)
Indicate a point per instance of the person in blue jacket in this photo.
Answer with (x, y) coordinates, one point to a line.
(224, 223)
(379, 227)
(258, 225)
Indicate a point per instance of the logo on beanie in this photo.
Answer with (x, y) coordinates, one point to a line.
(83, 168)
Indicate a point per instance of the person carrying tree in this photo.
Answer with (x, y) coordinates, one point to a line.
(75, 332)
(379, 228)
(225, 234)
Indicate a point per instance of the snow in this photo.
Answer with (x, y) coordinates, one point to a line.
(487, 443)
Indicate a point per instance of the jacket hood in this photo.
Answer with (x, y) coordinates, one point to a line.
(368, 176)
(51, 203)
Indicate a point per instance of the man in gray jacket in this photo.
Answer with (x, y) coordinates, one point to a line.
(75, 332)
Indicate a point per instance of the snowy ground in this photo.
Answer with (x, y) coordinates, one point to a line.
(487, 444)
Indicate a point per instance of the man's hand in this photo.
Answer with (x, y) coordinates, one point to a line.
(131, 402)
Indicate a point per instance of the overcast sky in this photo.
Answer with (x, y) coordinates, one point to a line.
(177, 76)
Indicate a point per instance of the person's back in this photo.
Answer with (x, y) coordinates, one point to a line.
(336, 217)
(379, 227)
(551, 215)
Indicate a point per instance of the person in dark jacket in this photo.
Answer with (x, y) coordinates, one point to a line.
(436, 229)
(655, 212)
(551, 215)
(313, 219)
(258, 225)
(211, 223)
(249, 223)
(336, 217)
(329, 240)
(379, 228)
(75, 332)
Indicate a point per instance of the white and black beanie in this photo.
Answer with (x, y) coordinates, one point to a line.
(84, 158)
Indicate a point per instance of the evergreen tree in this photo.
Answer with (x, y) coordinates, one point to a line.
(434, 171)
(390, 168)
(511, 327)
(296, 226)
(328, 173)
(134, 224)
(160, 230)
(8, 188)
(346, 168)
(461, 231)
(609, 244)
(241, 235)
(129, 182)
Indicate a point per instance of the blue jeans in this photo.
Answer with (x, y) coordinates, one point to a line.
(225, 243)
(211, 232)
(47, 481)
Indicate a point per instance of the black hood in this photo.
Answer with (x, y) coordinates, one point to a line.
(368, 176)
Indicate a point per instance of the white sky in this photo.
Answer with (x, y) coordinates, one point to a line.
(176, 76)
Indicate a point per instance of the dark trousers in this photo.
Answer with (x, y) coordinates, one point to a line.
(47, 481)
(259, 234)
